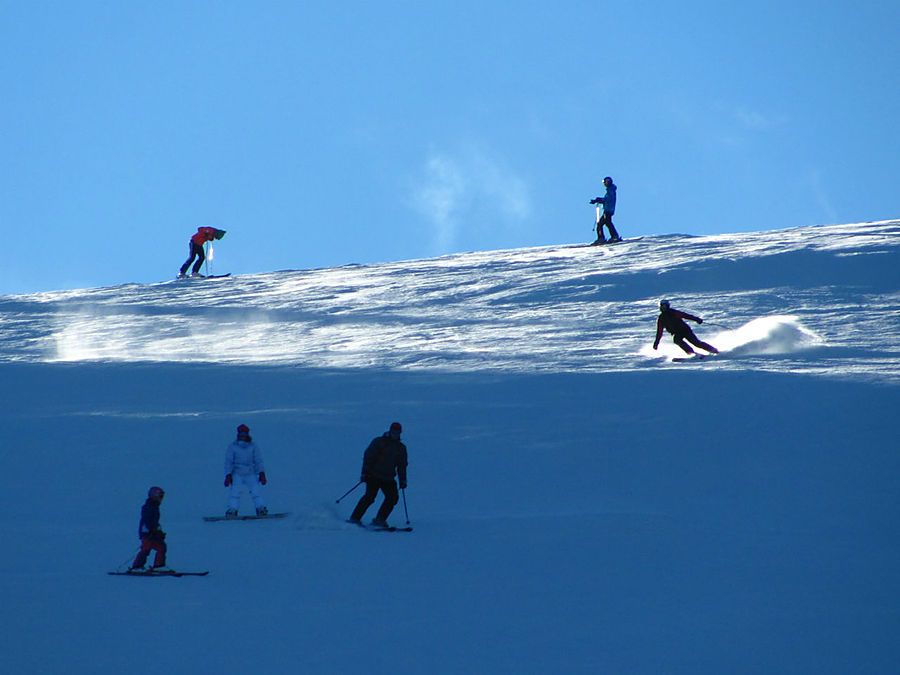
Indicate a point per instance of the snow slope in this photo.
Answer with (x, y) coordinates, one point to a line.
(581, 504)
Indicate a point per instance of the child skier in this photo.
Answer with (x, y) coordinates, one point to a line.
(672, 320)
(152, 537)
(244, 467)
(195, 245)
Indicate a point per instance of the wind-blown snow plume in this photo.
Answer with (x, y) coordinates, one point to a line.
(768, 335)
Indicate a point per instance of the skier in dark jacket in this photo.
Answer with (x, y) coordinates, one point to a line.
(672, 320)
(152, 537)
(384, 458)
(609, 208)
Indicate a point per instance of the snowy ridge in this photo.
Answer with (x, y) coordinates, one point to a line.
(546, 309)
(581, 504)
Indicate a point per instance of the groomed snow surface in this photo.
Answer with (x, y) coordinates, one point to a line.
(581, 503)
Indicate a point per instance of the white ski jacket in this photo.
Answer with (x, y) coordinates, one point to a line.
(243, 458)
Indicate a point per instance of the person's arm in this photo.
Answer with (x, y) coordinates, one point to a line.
(659, 331)
(229, 465)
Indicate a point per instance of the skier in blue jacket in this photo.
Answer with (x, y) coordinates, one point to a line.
(152, 537)
(609, 208)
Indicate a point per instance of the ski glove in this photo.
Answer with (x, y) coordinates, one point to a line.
(402, 484)
(262, 478)
(227, 480)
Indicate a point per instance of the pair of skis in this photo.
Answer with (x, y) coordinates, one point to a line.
(203, 276)
(159, 573)
(379, 528)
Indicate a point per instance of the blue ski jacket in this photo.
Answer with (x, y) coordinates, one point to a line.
(609, 200)
(149, 518)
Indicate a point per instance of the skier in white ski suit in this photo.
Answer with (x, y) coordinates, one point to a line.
(244, 467)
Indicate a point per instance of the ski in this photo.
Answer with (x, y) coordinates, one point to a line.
(215, 519)
(203, 276)
(153, 573)
(617, 241)
(603, 243)
(695, 357)
(376, 528)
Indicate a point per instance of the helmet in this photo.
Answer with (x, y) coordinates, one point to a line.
(664, 304)
(395, 429)
(155, 492)
(243, 430)
(608, 178)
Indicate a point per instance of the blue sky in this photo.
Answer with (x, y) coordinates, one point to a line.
(325, 133)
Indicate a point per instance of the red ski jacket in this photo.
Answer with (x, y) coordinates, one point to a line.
(204, 234)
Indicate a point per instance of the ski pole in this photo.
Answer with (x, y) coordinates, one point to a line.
(338, 501)
(210, 252)
(405, 510)
(718, 325)
(128, 562)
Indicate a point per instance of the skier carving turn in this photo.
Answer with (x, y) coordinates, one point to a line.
(672, 321)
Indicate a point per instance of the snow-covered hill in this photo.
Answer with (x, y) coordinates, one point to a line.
(581, 503)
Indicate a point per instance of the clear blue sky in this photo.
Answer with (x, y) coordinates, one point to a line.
(325, 133)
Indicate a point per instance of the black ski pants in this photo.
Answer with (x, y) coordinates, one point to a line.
(391, 497)
(196, 251)
(694, 340)
(606, 219)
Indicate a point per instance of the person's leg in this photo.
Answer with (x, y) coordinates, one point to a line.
(160, 547)
(613, 234)
(201, 256)
(697, 342)
(142, 555)
(601, 238)
(365, 501)
(259, 501)
(679, 340)
(391, 497)
(234, 494)
(191, 256)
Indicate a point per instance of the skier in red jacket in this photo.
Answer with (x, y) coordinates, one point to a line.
(204, 234)
(672, 320)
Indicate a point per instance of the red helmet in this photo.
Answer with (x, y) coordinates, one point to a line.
(155, 492)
